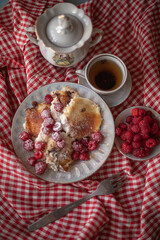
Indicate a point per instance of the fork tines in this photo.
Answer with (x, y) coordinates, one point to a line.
(118, 180)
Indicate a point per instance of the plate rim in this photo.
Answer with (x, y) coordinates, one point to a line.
(70, 84)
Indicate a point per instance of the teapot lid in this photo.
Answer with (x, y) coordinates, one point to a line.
(64, 30)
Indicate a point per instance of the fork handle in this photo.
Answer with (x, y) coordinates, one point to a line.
(57, 214)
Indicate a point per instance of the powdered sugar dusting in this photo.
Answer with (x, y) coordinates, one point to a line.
(61, 126)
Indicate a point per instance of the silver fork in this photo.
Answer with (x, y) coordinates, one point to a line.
(106, 187)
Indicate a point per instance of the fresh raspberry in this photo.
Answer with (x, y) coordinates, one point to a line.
(139, 153)
(56, 136)
(58, 107)
(60, 144)
(123, 135)
(48, 122)
(126, 148)
(135, 112)
(148, 119)
(147, 151)
(48, 98)
(129, 119)
(39, 145)
(145, 129)
(46, 130)
(97, 136)
(154, 128)
(143, 143)
(77, 146)
(143, 123)
(28, 145)
(158, 134)
(137, 137)
(24, 136)
(130, 126)
(85, 141)
(32, 161)
(75, 155)
(129, 136)
(144, 126)
(149, 113)
(118, 131)
(84, 149)
(142, 112)
(57, 127)
(46, 114)
(83, 156)
(154, 120)
(136, 120)
(144, 135)
(123, 126)
(136, 145)
(40, 167)
(151, 142)
(135, 128)
(92, 145)
(38, 154)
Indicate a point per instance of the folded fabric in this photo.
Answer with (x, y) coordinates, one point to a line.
(131, 31)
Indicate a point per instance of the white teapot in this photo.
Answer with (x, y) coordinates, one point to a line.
(64, 34)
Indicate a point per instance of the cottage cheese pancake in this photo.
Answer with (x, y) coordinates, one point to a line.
(58, 160)
(33, 121)
(62, 129)
(82, 116)
(64, 97)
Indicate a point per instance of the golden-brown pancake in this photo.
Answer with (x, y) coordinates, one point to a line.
(83, 117)
(34, 120)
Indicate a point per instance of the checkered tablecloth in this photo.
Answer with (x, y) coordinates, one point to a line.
(132, 32)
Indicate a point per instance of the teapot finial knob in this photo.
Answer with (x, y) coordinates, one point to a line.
(64, 25)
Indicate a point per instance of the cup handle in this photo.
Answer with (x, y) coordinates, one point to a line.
(80, 73)
(99, 37)
(32, 39)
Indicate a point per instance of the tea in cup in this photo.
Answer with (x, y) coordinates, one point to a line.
(104, 73)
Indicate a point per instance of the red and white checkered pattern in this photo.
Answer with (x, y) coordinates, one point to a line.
(132, 32)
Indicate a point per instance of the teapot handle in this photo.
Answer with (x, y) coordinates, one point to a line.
(32, 39)
(99, 37)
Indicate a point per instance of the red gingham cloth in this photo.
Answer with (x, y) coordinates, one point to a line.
(132, 32)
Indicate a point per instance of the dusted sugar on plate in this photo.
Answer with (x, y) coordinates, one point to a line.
(62, 129)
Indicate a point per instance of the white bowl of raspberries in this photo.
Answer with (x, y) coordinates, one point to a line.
(138, 133)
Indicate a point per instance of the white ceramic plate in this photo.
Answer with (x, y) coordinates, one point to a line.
(117, 98)
(122, 118)
(80, 169)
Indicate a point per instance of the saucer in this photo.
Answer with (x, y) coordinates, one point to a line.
(113, 99)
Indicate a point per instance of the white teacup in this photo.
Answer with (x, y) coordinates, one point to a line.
(105, 73)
